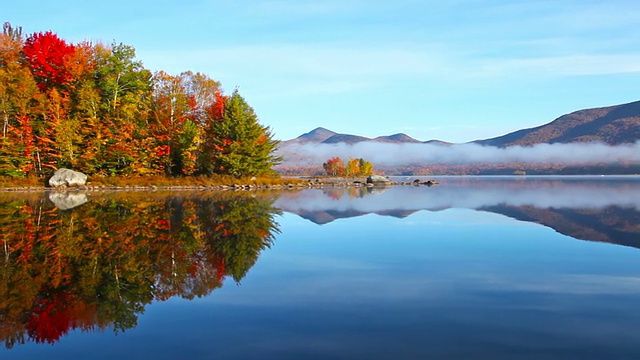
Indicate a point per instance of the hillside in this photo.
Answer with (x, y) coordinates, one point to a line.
(612, 125)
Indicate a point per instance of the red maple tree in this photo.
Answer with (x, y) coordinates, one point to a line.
(48, 57)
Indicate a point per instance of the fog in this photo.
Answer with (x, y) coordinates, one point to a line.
(387, 154)
(476, 194)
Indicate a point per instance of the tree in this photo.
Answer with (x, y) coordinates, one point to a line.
(240, 145)
(17, 88)
(354, 167)
(179, 112)
(365, 167)
(48, 56)
(126, 88)
(334, 167)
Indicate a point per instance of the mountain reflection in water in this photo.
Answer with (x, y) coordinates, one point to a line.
(97, 265)
(605, 209)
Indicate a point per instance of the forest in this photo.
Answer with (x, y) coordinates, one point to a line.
(94, 108)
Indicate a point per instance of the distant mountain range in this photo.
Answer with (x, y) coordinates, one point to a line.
(324, 136)
(612, 125)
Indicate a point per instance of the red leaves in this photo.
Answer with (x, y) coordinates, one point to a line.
(216, 111)
(334, 167)
(163, 150)
(51, 318)
(163, 224)
(48, 56)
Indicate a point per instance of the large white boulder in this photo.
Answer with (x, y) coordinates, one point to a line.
(67, 177)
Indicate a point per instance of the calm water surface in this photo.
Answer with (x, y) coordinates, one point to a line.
(486, 267)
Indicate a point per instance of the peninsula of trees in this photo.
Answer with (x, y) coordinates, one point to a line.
(96, 109)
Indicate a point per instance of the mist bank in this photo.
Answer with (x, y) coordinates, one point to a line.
(394, 154)
(473, 193)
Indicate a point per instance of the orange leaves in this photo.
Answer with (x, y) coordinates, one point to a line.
(334, 167)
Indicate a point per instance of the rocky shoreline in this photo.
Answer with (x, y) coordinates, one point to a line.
(296, 183)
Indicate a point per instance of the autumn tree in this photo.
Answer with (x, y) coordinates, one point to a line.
(365, 167)
(180, 115)
(240, 145)
(48, 58)
(354, 167)
(17, 88)
(334, 167)
(125, 87)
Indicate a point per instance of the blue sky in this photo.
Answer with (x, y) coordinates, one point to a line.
(451, 70)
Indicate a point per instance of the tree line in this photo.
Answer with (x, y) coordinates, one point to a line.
(96, 109)
(353, 167)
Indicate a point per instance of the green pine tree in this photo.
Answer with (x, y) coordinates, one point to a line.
(240, 145)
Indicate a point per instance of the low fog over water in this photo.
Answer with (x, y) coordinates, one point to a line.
(476, 193)
(386, 154)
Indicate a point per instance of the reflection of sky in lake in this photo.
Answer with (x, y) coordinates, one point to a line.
(433, 284)
(454, 284)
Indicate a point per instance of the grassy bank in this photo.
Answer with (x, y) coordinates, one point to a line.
(156, 181)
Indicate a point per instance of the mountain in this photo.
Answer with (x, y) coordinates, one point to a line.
(317, 135)
(612, 125)
(345, 138)
(324, 136)
(396, 138)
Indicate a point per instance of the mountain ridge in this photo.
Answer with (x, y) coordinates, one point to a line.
(613, 125)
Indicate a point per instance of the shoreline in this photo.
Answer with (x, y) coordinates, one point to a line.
(299, 183)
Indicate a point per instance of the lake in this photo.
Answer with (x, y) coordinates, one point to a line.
(474, 267)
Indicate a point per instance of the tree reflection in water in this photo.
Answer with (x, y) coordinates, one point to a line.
(96, 266)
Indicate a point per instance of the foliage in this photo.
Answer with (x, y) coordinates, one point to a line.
(241, 146)
(354, 167)
(95, 108)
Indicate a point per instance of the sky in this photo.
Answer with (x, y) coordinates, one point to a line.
(456, 71)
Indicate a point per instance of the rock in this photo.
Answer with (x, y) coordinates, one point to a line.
(67, 177)
(377, 179)
(67, 200)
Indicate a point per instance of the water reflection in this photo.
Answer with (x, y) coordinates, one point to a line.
(93, 262)
(68, 263)
(586, 208)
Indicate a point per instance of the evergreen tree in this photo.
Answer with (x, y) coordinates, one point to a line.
(240, 145)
